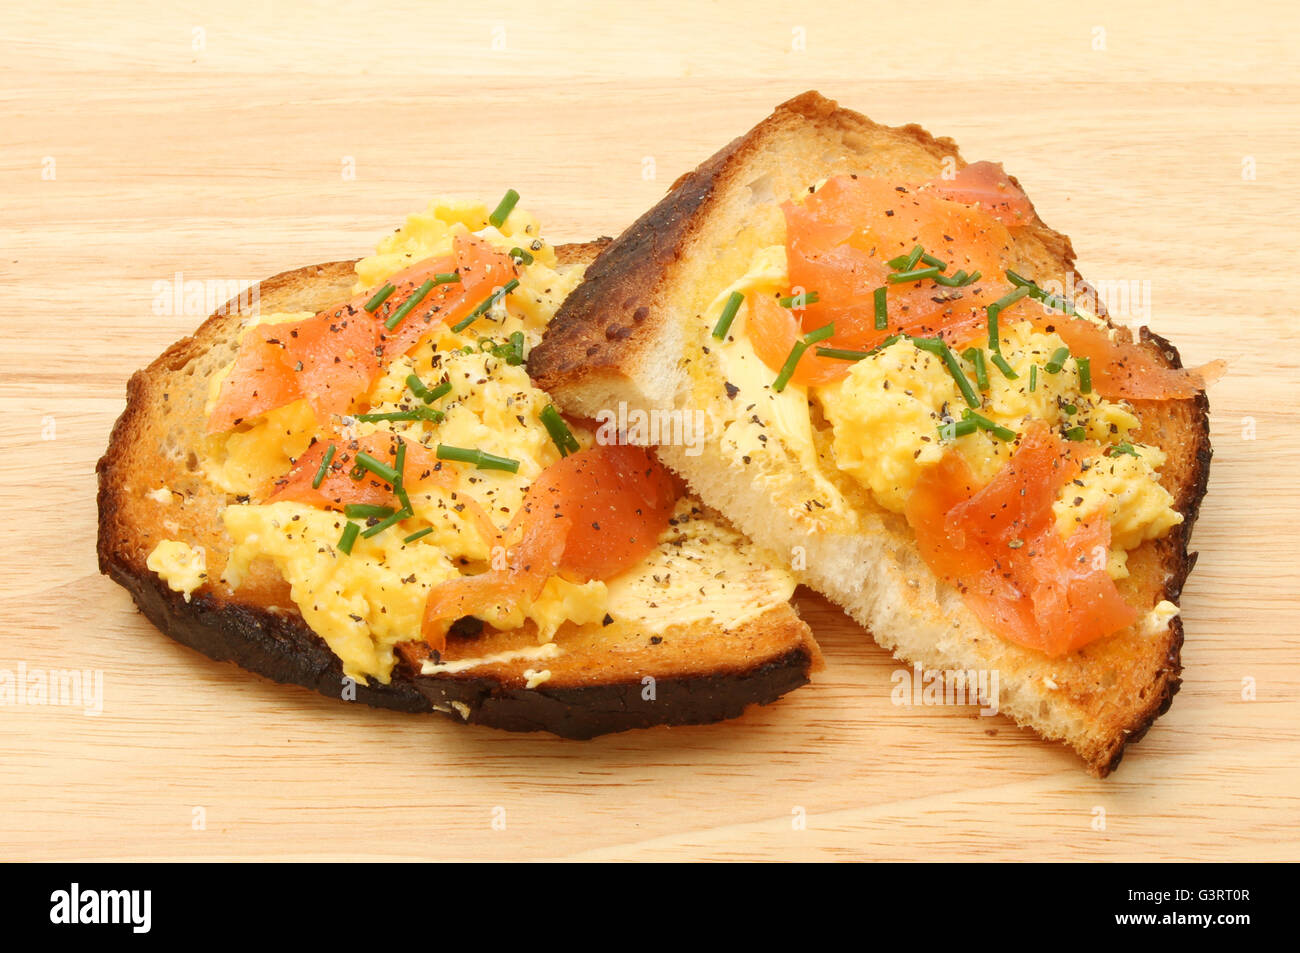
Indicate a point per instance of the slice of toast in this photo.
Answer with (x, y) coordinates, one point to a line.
(604, 678)
(627, 334)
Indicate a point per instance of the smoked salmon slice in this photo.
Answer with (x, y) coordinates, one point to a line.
(333, 357)
(591, 515)
(999, 546)
(841, 240)
(338, 486)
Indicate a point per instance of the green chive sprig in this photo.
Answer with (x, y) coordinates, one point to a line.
(319, 478)
(561, 435)
(796, 352)
(798, 301)
(504, 208)
(937, 347)
(976, 356)
(380, 297)
(487, 303)
(393, 416)
(480, 458)
(409, 304)
(1057, 361)
(1084, 366)
(734, 301)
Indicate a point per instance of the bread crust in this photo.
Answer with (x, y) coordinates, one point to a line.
(608, 331)
(592, 692)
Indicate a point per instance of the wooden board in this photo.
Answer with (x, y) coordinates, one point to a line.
(214, 140)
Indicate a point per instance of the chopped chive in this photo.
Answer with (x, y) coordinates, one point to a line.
(323, 468)
(521, 256)
(503, 210)
(881, 299)
(1124, 447)
(489, 302)
(418, 534)
(937, 347)
(908, 262)
(1002, 433)
(1057, 303)
(409, 305)
(799, 300)
(362, 511)
(1070, 409)
(1001, 363)
(446, 278)
(1010, 298)
(931, 260)
(796, 352)
(382, 470)
(490, 461)
(387, 522)
(842, 354)
(481, 459)
(416, 413)
(380, 297)
(820, 334)
(1054, 301)
(1033, 377)
(399, 464)
(1076, 434)
(958, 280)
(918, 274)
(348, 538)
(416, 387)
(1057, 360)
(459, 454)
(952, 429)
(976, 356)
(1084, 366)
(561, 435)
(512, 352)
(424, 393)
(734, 301)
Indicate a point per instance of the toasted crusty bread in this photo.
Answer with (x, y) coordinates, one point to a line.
(599, 681)
(623, 334)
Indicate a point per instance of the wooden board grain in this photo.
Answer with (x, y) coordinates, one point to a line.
(215, 140)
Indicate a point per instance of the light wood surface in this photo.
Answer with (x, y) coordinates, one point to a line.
(220, 154)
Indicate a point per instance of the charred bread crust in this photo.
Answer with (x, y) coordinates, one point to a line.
(278, 645)
(608, 326)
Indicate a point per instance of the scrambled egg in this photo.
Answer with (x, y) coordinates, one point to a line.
(880, 426)
(770, 434)
(183, 567)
